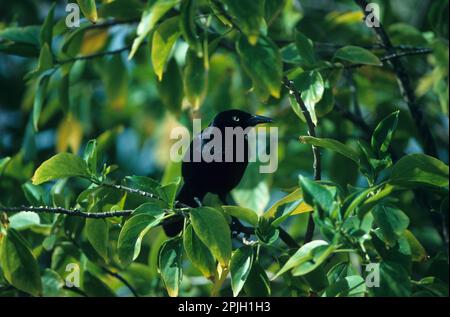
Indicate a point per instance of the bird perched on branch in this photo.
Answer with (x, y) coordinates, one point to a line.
(225, 171)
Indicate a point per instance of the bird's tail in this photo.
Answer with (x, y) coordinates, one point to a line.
(185, 197)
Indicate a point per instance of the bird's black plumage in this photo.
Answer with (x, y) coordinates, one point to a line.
(217, 177)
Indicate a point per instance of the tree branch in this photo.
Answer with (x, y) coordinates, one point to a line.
(316, 151)
(69, 212)
(406, 89)
(93, 56)
(122, 279)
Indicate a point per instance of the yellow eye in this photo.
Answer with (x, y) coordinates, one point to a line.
(236, 119)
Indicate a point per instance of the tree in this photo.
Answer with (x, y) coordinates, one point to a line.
(357, 207)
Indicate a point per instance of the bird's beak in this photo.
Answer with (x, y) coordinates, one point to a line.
(254, 120)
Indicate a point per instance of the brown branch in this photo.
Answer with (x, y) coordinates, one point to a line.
(316, 151)
(406, 89)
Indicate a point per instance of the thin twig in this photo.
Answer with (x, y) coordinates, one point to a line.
(93, 56)
(405, 85)
(122, 279)
(69, 212)
(316, 151)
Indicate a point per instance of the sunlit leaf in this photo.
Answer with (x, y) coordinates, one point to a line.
(213, 230)
(60, 166)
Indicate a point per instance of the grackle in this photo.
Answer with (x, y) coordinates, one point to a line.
(218, 176)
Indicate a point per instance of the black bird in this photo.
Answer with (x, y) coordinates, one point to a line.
(217, 177)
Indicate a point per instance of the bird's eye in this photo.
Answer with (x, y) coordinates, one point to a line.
(236, 119)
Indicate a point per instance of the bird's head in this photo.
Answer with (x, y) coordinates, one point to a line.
(238, 118)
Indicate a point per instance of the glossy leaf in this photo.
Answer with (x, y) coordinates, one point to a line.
(97, 233)
(188, 27)
(164, 38)
(419, 170)
(61, 165)
(240, 267)
(170, 265)
(18, 263)
(46, 34)
(242, 213)
(262, 62)
(152, 14)
(89, 9)
(249, 16)
(135, 228)
(213, 230)
(198, 253)
(333, 145)
(382, 136)
(357, 55)
(305, 47)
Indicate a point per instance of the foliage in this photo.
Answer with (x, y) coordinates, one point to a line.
(85, 110)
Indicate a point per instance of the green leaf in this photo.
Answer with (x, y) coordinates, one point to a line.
(198, 253)
(135, 228)
(349, 286)
(392, 222)
(357, 55)
(315, 193)
(382, 135)
(170, 265)
(419, 170)
(333, 145)
(213, 230)
(93, 286)
(18, 263)
(97, 233)
(116, 82)
(61, 165)
(326, 104)
(24, 220)
(195, 79)
(249, 16)
(307, 258)
(263, 64)
(122, 9)
(170, 88)
(26, 35)
(240, 267)
(89, 9)
(242, 213)
(394, 281)
(90, 156)
(164, 38)
(418, 252)
(305, 47)
(266, 232)
(312, 87)
(3, 163)
(257, 283)
(151, 15)
(52, 284)
(40, 99)
(46, 34)
(188, 27)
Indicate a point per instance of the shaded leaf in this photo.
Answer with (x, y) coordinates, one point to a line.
(357, 55)
(170, 265)
(240, 267)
